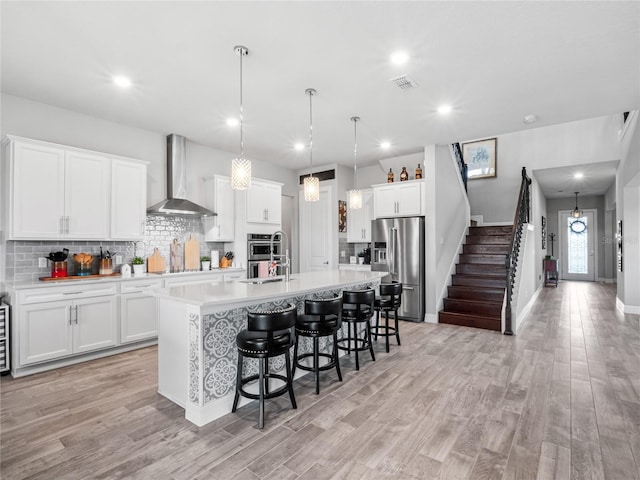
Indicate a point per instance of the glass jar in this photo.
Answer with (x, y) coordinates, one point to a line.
(84, 269)
(106, 266)
(59, 269)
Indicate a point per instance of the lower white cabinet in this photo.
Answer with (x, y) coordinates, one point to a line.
(57, 329)
(138, 311)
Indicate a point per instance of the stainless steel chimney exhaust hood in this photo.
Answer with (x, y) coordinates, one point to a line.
(176, 203)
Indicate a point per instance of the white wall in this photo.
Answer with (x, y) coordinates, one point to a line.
(586, 141)
(526, 281)
(446, 222)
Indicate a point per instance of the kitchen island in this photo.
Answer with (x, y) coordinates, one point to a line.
(197, 329)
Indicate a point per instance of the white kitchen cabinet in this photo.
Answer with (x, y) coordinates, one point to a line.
(58, 192)
(398, 199)
(359, 220)
(62, 321)
(221, 228)
(55, 192)
(264, 202)
(138, 311)
(128, 199)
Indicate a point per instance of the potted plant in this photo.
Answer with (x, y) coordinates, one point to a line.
(138, 266)
(361, 257)
(206, 263)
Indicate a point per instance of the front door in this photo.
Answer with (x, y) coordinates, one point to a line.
(577, 246)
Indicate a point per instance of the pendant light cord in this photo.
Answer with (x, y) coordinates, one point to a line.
(241, 109)
(355, 152)
(311, 92)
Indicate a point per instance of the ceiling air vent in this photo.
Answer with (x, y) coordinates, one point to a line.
(405, 82)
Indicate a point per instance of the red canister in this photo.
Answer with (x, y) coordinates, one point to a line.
(59, 269)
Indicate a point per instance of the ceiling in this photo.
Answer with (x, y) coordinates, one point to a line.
(560, 182)
(493, 62)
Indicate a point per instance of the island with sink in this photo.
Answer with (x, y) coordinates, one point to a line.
(198, 324)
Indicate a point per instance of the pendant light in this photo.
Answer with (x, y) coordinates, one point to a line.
(241, 167)
(311, 183)
(576, 213)
(355, 195)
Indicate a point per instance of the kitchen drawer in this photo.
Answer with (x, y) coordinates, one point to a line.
(51, 294)
(136, 286)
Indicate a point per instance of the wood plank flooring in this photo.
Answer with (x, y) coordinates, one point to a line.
(559, 401)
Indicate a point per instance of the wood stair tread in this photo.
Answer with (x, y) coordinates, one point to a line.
(469, 320)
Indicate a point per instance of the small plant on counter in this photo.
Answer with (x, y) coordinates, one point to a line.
(205, 259)
(137, 261)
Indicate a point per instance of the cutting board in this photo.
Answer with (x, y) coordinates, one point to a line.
(191, 254)
(156, 263)
(176, 256)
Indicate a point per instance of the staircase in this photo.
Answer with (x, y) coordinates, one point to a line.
(476, 294)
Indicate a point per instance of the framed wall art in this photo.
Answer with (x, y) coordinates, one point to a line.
(342, 216)
(481, 158)
(543, 230)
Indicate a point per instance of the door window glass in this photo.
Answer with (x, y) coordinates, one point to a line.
(578, 251)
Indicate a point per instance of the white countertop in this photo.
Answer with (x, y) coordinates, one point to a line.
(218, 293)
(214, 273)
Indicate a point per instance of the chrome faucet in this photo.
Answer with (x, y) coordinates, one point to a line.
(287, 261)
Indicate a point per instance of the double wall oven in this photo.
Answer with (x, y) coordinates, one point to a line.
(259, 250)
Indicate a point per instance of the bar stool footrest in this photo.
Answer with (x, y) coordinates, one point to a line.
(363, 342)
(326, 366)
(275, 393)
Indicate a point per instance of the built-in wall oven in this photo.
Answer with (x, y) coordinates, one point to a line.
(259, 250)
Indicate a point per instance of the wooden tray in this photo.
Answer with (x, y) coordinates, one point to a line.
(77, 277)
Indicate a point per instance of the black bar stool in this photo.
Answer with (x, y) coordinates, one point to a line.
(390, 300)
(268, 334)
(322, 318)
(357, 309)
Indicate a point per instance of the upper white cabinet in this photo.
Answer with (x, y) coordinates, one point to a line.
(57, 192)
(264, 202)
(128, 199)
(359, 227)
(398, 199)
(221, 228)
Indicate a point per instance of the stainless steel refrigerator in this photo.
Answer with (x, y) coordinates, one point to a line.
(398, 248)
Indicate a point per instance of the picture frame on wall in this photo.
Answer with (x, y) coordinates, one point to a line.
(543, 230)
(342, 216)
(619, 245)
(480, 157)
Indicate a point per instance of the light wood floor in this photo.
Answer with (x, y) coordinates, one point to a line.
(560, 400)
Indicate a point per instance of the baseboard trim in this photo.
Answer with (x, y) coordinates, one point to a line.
(607, 280)
(522, 318)
(431, 318)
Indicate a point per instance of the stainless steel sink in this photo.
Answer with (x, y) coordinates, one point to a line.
(255, 281)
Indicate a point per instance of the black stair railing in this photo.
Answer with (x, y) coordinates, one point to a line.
(521, 217)
(457, 151)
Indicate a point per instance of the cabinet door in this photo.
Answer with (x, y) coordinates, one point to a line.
(128, 200)
(384, 201)
(37, 191)
(45, 331)
(355, 231)
(95, 323)
(87, 179)
(221, 228)
(264, 203)
(138, 317)
(367, 214)
(409, 199)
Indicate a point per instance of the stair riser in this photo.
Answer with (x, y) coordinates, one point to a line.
(484, 259)
(488, 239)
(486, 249)
(470, 321)
(479, 269)
(505, 230)
(475, 308)
(475, 293)
(473, 281)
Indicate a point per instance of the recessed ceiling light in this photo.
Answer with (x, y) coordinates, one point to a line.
(232, 122)
(399, 58)
(578, 175)
(299, 146)
(444, 109)
(122, 81)
(531, 118)
(385, 145)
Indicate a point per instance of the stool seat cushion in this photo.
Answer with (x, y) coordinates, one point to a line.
(258, 342)
(312, 323)
(351, 313)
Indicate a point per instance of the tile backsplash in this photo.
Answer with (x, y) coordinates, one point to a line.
(22, 255)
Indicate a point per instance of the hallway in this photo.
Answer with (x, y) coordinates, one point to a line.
(560, 400)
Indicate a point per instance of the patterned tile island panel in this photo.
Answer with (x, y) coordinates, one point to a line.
(213, 365)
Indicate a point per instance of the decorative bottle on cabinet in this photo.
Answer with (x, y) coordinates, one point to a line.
(418, 172)
(390, 176)
(404, 176)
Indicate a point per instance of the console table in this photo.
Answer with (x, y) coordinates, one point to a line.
(550, 271)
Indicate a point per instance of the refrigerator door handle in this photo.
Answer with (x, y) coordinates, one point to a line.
(393, 238)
